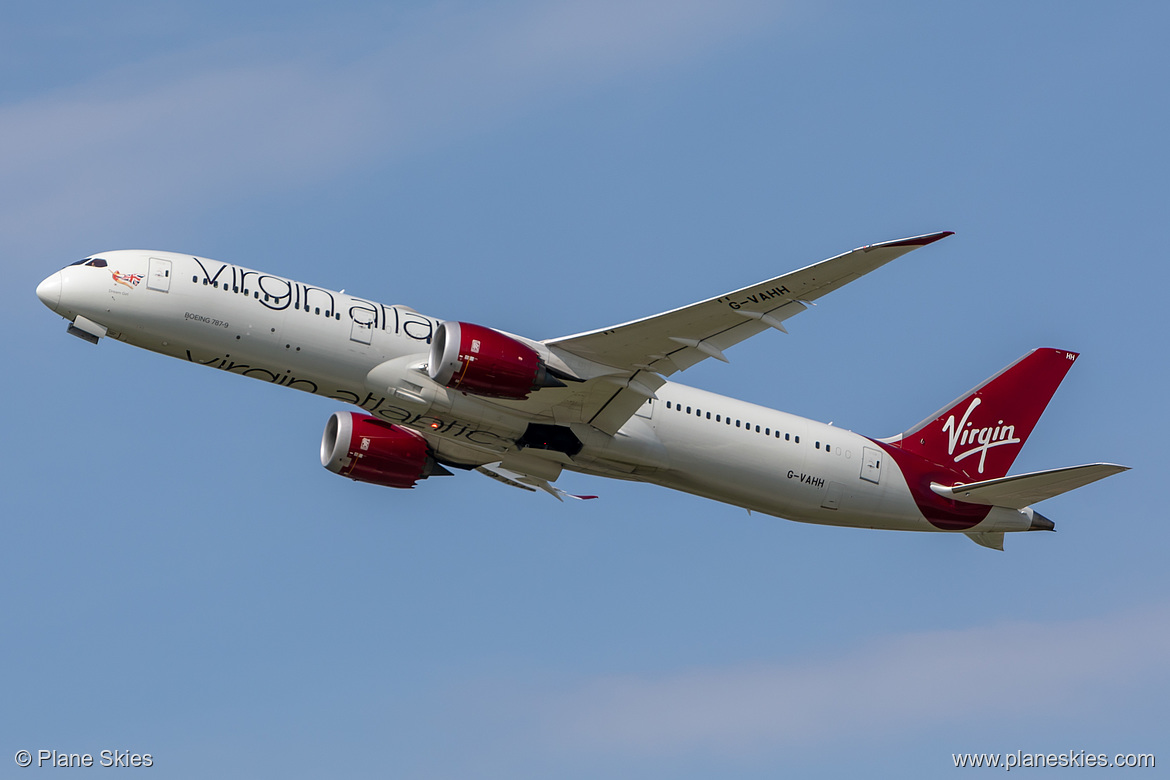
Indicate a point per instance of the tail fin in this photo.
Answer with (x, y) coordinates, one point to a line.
(981, 433)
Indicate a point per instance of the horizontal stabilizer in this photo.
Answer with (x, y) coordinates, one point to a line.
(992, 540)
(1022, 490)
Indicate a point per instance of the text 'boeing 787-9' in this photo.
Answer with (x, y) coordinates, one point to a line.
(437, 395)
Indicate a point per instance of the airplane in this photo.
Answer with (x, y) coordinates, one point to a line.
(436, 395)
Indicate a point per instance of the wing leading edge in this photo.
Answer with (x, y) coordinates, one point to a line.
(641, 352)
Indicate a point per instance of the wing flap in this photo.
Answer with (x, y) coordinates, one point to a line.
(1023, 490)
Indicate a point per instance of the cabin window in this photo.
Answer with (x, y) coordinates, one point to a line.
(827, 448)
(818, 445)
(668, 404)
(708, 415)
(737, 423)
(757, 429)
(215, 285)
(195, 280)
(317, 310)
(688, 410)
(797, 440)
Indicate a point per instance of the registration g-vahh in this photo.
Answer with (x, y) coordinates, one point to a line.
(429, 397)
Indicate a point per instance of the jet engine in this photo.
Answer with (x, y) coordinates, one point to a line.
(367, 449)
(482, 361)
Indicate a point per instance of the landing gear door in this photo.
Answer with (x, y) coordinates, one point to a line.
(871, 465)
(159, 275)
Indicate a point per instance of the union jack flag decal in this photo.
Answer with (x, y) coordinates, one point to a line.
(129, 280)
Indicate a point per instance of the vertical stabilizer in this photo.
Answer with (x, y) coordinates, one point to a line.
(981, 433)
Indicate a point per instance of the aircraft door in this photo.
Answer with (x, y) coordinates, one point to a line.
(871, 465)
(361, 332)
(158, 277)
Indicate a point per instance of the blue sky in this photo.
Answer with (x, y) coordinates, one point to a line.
(181, 577)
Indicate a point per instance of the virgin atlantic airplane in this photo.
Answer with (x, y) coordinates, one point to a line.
(437, 395)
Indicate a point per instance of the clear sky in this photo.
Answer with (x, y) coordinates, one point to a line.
(180, 577)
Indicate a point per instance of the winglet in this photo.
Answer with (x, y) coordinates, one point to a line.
(923, 240)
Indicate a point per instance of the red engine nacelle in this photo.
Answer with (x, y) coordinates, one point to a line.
(367, 449)
(482, 361)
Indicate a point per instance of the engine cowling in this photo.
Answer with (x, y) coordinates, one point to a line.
(367, 449)
(482, 361)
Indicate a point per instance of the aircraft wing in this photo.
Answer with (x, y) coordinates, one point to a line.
(641, 352)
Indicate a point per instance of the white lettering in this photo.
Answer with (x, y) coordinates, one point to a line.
(986, 438)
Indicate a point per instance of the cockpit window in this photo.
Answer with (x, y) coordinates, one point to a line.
(97, 262)
(82, 260)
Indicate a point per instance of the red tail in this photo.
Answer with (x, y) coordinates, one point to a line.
(980, 433)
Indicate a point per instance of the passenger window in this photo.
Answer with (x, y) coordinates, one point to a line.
(318, 310)
(688, 410)
(757, 429)
(668, 404)
(818, 445)
(737, 423)
(827, 448)
(798, 440)
(708, 415)
(785, 436)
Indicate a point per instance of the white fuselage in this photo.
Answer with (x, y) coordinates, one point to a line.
(367, 354)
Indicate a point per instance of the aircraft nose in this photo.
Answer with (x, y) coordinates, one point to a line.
(49, 291)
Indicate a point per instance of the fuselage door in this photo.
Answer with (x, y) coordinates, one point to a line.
(361, 332)
(871, 465)
(159, 275)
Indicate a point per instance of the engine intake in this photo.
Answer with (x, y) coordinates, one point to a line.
(482, 361)
(367, 449)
